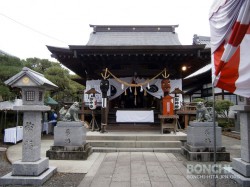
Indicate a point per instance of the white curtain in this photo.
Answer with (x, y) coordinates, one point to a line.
(118, 89)
(176, 83)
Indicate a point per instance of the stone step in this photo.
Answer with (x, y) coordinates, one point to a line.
(134, 144)
(113, 149)
(136, 141)
(169, 137)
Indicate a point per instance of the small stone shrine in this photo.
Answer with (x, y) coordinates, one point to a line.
(200, 138)
(31, 169)
(70, 138)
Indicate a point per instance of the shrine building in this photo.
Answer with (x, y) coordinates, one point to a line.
(135, 58)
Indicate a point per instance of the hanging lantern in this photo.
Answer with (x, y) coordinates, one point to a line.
(141, 89)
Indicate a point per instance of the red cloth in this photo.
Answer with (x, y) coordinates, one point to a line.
(230, 45)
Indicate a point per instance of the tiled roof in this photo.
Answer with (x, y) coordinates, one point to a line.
(106, 35)
(35, 76)
(199, 40)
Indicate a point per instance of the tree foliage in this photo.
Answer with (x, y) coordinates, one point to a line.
(53, 71)
(196, 100)
(39, 65)
(9, 66)
(222, 108)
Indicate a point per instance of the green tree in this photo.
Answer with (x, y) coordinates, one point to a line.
(58, 76)
(38, 65)
(9, 66)
(66, 86)
(222, 108)
(53, 71)
(196, 100)
(75, 87)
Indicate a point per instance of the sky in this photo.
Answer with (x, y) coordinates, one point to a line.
(27, 26)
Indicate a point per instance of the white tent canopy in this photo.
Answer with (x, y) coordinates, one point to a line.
(8, 105)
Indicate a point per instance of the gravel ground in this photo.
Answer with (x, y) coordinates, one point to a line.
(57, 180)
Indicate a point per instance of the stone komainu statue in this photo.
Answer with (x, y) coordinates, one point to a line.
(202, 113)
(72, 113)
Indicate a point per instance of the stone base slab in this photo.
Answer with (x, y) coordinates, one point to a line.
(70, 148)
(203, 149)
(69, 152)
(240, 179)
(69, 133)
(28, 180)
(204, 156)
(20, 168)
(241, 166)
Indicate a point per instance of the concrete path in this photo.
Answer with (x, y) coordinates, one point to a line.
(133, 169)
(232, 146)
(14, 153)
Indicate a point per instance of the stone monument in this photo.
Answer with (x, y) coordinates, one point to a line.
(70, 138)
(241, 166)
(200, 139)
(32, 169)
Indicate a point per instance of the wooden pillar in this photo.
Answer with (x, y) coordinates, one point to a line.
(186, 120)
(104, 117)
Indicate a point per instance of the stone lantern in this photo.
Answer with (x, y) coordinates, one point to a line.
(31, 169)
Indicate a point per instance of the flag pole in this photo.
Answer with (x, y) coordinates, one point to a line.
(214, 129)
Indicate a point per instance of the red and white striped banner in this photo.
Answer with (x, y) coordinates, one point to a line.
(230, 45)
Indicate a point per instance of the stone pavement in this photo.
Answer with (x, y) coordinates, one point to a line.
(132, 169)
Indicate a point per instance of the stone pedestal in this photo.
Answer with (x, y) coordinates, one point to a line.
(241, 166)
(69, 142)
(200, 143)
